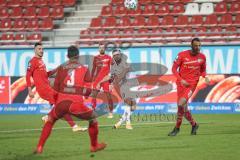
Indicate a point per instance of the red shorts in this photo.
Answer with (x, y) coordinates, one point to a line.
(70, 104)
(47, 93)
(103, 85)
(185, 92)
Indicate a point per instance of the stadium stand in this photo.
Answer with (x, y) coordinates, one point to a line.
(86, 22)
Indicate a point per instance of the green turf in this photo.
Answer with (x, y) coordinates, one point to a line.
(218, 138)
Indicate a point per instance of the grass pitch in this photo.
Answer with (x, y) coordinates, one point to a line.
(218, 138)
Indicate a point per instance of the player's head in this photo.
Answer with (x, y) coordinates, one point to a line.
(72, 52)
(102, 48)
(117, 55)
(38, 50)
(196, 45)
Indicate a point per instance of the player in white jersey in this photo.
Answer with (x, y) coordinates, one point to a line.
(120, 70)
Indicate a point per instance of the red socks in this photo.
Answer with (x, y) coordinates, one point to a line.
(46, 131)
(94, 103)
(93, 133)
(188, 116)
(180, 114)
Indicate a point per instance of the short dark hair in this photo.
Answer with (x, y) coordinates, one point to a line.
(37, 44)
(116, 50)
(195, 39)
(72, 51)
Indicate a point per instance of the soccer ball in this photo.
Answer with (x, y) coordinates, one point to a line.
(131, 4)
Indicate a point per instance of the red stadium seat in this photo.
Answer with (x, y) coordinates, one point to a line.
(25, 3)
(153, 21)
(19, 24)
(96, 22)
(211, 20)
(158, 1)
(221, 7)
(46, 24)
(231, 32)
(216, 32)
(32, 24)
(170, 33)
(124, 21)
(54, 2)
(138, 11)
(117, 2)
(3, 3)
(144, 1)
(106, 10)
(99, 34)
(139, 21)
(110, 22)
(120, 10)
(185, 33)
(196, 20)
(16, 12)
(4, 12)
(178, 8)
(167, 21)
(237, 20)
(30, 12)
(35, 37)
(113, 33)
(235, 7)
(57, 12)
(225, 20)
(68, 2)
(20, 37)
(142, 33)
(182, 20)
(163, 9)
(39, 3)
(6, 24)
(128, 33)
(149, 9)
(85, 34)
(7, 37)
(201, 32)
(13, 3)
(43, 12)
(155, 32)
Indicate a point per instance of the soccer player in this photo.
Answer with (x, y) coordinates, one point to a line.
(188, 67)
(101, 69)
(74, 76)
(37, 70)
(119, 76)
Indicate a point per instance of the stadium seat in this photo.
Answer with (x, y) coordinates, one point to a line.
(158, 1)
(20, 37)
(34, 37)
(185, 33)
(196, 20)
(16, 12)
(142, 33)
(138, 11)
(54, 2)
(43, 12)
(201, 32)
(7, 37)
(25, 3)
(139, 21)
(96, 22)
(225, 20)
(149, 9)
(211, 20)
(144, 1)
(124, 21)
(237, 20)
(170, 33)
(57, 12)
(216, 32)
(153, 21)
(99, 34)
(163, 9)
(6, 24)
(206, 9)
(110, 22)
(221, 8)
(18, 24)
(231, 32)
(68, 3)
(235, 7)
(13, 3)
(3, 3)
(32, 24)
(113, 33)
(182, 21)
(85, 34)
(120, 10)
(128, 33)
(155, 33)
(192, 9)
(106, 11)
(3, 12)
(117, 2)
(178, 8)
(40, 3)
(46, 24)
(167, 21)
(30, 12)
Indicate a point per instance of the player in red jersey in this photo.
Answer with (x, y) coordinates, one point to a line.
(72, 80)
(101, 69)
(188, 67)
(37, 70)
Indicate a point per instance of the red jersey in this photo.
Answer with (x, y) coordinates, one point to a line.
(189, 67)
(71, 78)
(101, 65)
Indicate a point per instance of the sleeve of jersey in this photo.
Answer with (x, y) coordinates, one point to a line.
(52, 72)
(93, 67)
(29, 74)
(203, 69)
(175, 67)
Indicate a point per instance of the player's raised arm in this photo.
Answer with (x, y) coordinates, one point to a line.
(175, 67)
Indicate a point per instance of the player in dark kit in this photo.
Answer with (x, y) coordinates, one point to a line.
(101, 69)
(37, 70)
(73, 78)
(188, 67)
